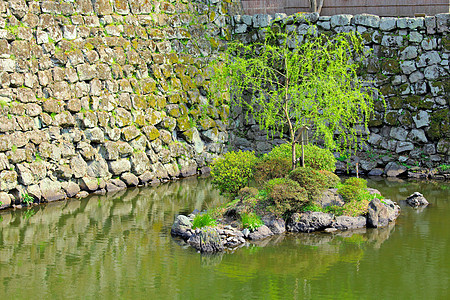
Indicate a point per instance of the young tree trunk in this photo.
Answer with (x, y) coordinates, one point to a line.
(313, 5)
(319, 8)
(316, 7)
(294, 159)
(303, 151)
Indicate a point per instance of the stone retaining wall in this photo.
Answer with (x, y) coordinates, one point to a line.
(410, 66)
(100, 95)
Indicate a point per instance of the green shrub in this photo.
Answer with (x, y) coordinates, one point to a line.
(356, 208)
(350, 192)
(319, 159)
(271, 167)
(232, 171)
(251, 221)
(286, 194)
(311, 180)
(332, 179)
(202, 220)
(315, 157)
(335, 210)
(248, 192)
(358, 182)
(312, 207)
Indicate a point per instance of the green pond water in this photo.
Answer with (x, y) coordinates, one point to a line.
(119, 247)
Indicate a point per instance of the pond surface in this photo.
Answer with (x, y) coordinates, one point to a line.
(119, 247)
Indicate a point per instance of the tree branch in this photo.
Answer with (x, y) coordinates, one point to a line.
(319, 8)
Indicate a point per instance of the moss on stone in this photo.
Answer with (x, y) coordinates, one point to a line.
(207, 123)
(395, 102)
(183, 123)
(401, 89)
(439, 124)
(445, 42)
(151, 132)
(174, 111)
(391, 118)
(387, 90)
(406, 118)
(413, 100)
(390, 66)
(174, 98)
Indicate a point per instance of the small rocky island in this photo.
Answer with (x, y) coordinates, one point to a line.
(304, 199)
(229, 233)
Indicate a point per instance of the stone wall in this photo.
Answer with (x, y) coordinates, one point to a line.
(410, 66)
(100, 95)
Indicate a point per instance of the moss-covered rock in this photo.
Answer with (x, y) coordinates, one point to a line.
(439, 125)
(183, 123)
(445, 42)
(151, 132)
(390, 66)
(207, 123)
(395, 102)
(391, 118)
(387, 90)
(148, 85)
(169, 123)
(153, 117)
(173, 110)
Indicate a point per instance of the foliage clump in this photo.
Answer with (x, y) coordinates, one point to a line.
(203, 220)
(251, 221)
(247, 192)
(353, 189)
(356, 196)
(232, 171)
(310, 179)
(332, 179)
(358, 182)
(350, 193)
(271, 167)
(315, 157)
(286, 194)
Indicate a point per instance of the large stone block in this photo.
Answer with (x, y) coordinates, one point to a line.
(51, 190)
(340, 20)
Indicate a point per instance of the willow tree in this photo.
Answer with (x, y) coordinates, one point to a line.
(297, 82)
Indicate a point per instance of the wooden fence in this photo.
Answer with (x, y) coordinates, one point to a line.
(393, 8)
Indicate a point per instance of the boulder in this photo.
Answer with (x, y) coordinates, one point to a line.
(276, 225)
(347, 222)
(115, 185)
(260, 233)
(51, 190)
(376, 172)
(88, 184)
(5, 200)
(378, 214)
(206, 240)
(130, 179)
(416, 200)
(393, 169)
(330, 197)
(181, 227)
(393, 209)
(117, 167)
(309, 221)
(70, 188)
